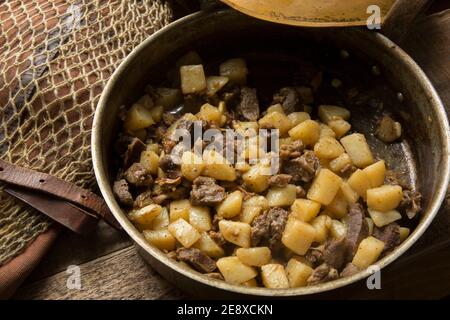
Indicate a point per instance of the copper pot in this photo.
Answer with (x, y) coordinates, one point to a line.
(422, 115)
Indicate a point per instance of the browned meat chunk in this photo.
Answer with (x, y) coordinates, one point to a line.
(357, 228)
(168, 183)
(122, 192)
(388, 130)
(197, 259)
(267, 228)
(143, 199)
(323, 273)
(347, 170)
(218, 238)
(249, 105)
(170, 168)
(280, 180)
(303, 168)
(389, 234)
(349, 270)
(335, 253)
(215, 275)
(411, 203)
(300, 192)
(292, 150)
(315, 256)
(288, 98)
(205, 192)
(133, 152)
(138, 176)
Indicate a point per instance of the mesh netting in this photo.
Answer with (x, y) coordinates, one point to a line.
(55, 58)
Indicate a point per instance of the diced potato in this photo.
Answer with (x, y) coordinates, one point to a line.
(161, 221)
(350, 195)
(250, 283)
(242, 166)
(257, 256)
(200, 218)
(214, 84)
(381, 219)
(252, 207)
(210, 113)
(326, 131)
(208, 246)
(276, 120)
(251, 148)
(338, 229)
(138, 117)
(191, 165)
(186, 234)
(376, 173)
(325, 187)
(298, 117)
(359, 182)
(370, 224)
(298, 273)
(404, 233)
(150, 161)
(234, 271)
(328, 148)
(281, 197)
(322, 225)
(305, 209)
(217, 167)
(287, 140)
(368, 252)
(146, 102)
(308, 131)
(167, 97)
(384, 198)
(275, 108)
(357, 149)
(179, 209)
(236, 232)
(242, 126)
(274, 276)
(235, 70)
(255, 178)
(328, 113)
(340, 127)
(336, 165)
(162, 239)
(156, 113)
(192, 79)
(143, 218)
(338, 208)
(231, 206)
(298, 235)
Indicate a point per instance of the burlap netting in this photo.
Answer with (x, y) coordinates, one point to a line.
(55, 58)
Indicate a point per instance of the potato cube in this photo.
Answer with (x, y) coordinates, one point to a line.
(200, 218)
(243, 126)
(340, 127)
(210, 113)
(308, 131)
(359, 182)
(328, 148)
(256, 179)
(276, 120)
(234, 271)
(214, 84)
(322, 224)
(186, 234)
(156, 113)
(338, 208)
(235, 70)
(357, 149)
(208, 246)
(384, 198)
(217, 167)
(325, 187)
(236, 232)
(257, 256)
(368, 252)
(143, 218)
(161, 221)
(350, 195)
(150, 161)
(326, 131)
(167, 97)
(328, 113)
(138, 117)
(274, 276)
(231, 206)
(404, 233)
(250, 283)
(281, 197)
(376, 173)
(192, 79)
(253, 207)
(162, 239)
(381, 219)
(275, 108)
(336, 165)
(305, 209)
(297, 273)
(298, 117)
(338, 230)
(298, 235)
(191, 165)
(257, 201)
(179, 209)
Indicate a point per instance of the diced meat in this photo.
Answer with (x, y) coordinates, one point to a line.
(388, 130)
(248, 108)
(315, 256)
(358, 228)
(215, 275)
(300, 192)
(133, 152)
(138, 176)
(335, 253)
(267, 228)
(347, 170)
(168, 183)
(143, 199)
(170, 168)
(231, 96)
(197, 259)
(288, 98)
(160, 198)
(122, 192)
(205, 192)
(322, 273)
(292, 150)
(303, 168)
(411, 203)
(389, 234)
(280, 180)
(218, 238)
(349, 270)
